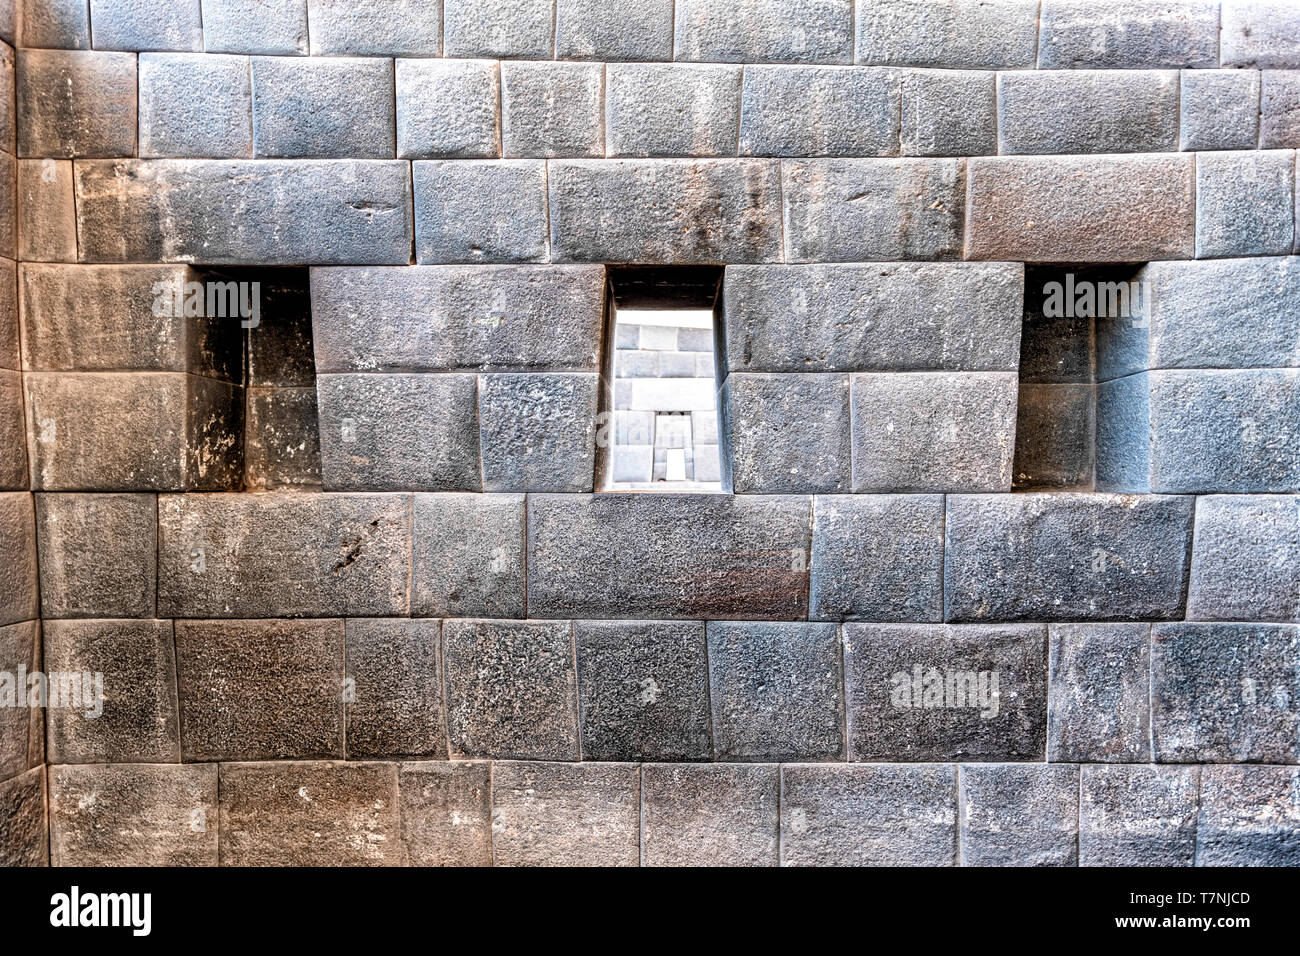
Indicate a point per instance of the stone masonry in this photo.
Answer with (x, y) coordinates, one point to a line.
(307, 392)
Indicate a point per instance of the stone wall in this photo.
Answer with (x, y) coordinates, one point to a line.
(987, 584)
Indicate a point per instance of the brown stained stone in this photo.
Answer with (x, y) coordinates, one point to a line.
(8, 315)
(24, 832)
(395, 708)
(22, 740)
(282, 439)
(710, 815)
(98, 555)
(19, 593)
(447, 812)
(13, 432)
(47, 217)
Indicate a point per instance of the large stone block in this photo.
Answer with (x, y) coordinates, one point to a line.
(1048, 208)
(76, 104)
(447, 812)
(512, 689)
(447, 109)
(1249, 816)
(643, 690)
(851, 210)
(537, 431)
(399, 432)
(789, 433)
(53, 23)
(552, 109)
(310, 814)
(283, 554)
(47, 216)
(98, 556)
(19, 585)
(24, 828)
(1245, 203)
(968, 34)
(195, 105)
(1066, 557)
(819, 111)
(504, 28)
(1225, 693)
(13, 433)
(1134, 815)
(1260, 33)
(325, 107)
(255, 26)
(672, 109)
(1100, 706)
(1246, 559)
(281, 439)
(613, 30)
(394, 690)
(557, 814)
(749, 31)
(949, 113)
(9, 358)
(146, 25)
(668, 556)
(721, 815)
(480, 211)
(22, 737)
(1279, 109)
(879, 815)
(1087, 111)
(1128, 34)
(133, 815)
(469, 556)
(1219, 109)
(375, 27)
(1019, 815)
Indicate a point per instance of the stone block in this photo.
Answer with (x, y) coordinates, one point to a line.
(819, 111)
(1249, 816)
(281, 439)
(98, 556)
(375, 27)
(13, 433)
(1244, 203)
(965, 34)
(1133, 815)
(720, 815)
(613, 30)
(559, 814)
(1087, 111)
(537, 431)
(671, 109)
(1066, 557)
(22, 727)
(76, 104)
(447, 109)
(1019, 815)
(19, 585)
(1128, 34)
(8, 206)
(195, 105)
(1246, 559)
(789, 433)
(280, 347)
(53, 23)
(255, 26)
(8, 117)
(1099, 698)
(323, 107)
(756, 31)
(1219, 109)
(552, 109)
(9, 358)
(447, 812)
(290, 555)
(511, 689)
(469, 556)
(394, 708)
(1260, 33)
(24, 828)
(47, 218)
(499, 28)
(1055, 427)
(1279, 109)
(146, 25)
(480, 211)
(948, 113)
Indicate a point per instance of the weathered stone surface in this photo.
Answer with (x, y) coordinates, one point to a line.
(260, 690)
(1244, 203)
(447, 109)
(505, 28)
(933, 431)
(47, 217)
(721, 815)
(19, 586)
(54, 23)
(133, 815)
(8, 116)
(1055, 425)
(936, 691)
(789, 433)
(98, 556)
(776, 691)
(395, 708)
(195, 105)
(950, 33)
(1099, 697)
(24, 831)
(1246, 559)
(1225, 693)
(1132, 815)
(469, 556)
(852, 210)
(819, 111)
(1059, 348)
(557, 814)
(552, 109)
(1087, 111)
(255, 26)
(128, 714)
(948, 113)
(1063, 557)
(1019, 815)
(511, 689)
(398, 432)
(631, 210)
(447, 812)
(13, 433)
(663, 556)
(1047, 208)
(146, 25)
(1279, 109)
(1219, 109)
(480, 211)
(1260, 33)
(671, 109)
(281, 439)
(644, 690)
(329, 107)
(537, 431)
(1128, 34)
(310, 814)
(8, 316)
(280, 346)
(22, 737)
(375, 27)
(217, 211)
(1249, 816)
(806, 31)
(283, 554)
(878, 815)
(899, 317)
(76, 104)
(613, 30)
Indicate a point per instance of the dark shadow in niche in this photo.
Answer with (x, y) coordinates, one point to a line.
(659, 423)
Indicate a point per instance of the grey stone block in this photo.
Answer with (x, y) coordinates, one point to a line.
(323, 107)
(1132, 815)
(1046, 208)
(1249, 816)
(1246, 559)
(613, 30)
(480, 211)
(668, 556)
(98, 556)
(128, 714)
(511, 689)
(47, 216)
(966, 34)
(1019, 815)
(933, 431)
(643, 690)
(878, 815)
(255, 26)
(556, 814)
(721, 815)
(1219, 109)
(394, 700)
(1088, 111)
(1260, 33)
(755, 31)
(20, 590)
(290, 555)
(671, 109)
(1244, 203)
(281, 439)
(819, 111)
(24, 828)
(1063, 557)
(13, 433)
(847, 210)
(552, 109)
(1055, 425)
(447, 812)
(537, 431)
(639, 207)
(375, 27)
(310, 814)
(216, 211)
(1099, 698)
(76, 104)
(22, 727)
(504, 28)
(1128, 34)
(146, 25)
(776, 691)
(1279, 109)
(195, 105)
(53, 23)
(948, 113)
(1225, 693)
(789, 433)
(938, 691)
(469, 556)
(133, 815)
(447, 109)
